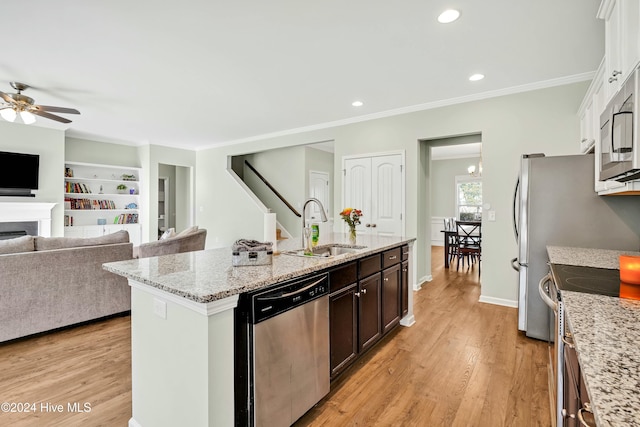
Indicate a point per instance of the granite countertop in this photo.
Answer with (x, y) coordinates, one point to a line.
(586, 257)
(206, 276)
(606, 332)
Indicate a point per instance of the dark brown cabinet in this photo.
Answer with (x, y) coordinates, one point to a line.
(369, 324)
(404, 288)
(367, 299)
(390, 298)
(576, 406)
(343, 330)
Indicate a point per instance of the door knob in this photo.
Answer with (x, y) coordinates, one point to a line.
(373, 225)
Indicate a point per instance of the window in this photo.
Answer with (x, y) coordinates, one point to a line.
(468, 198)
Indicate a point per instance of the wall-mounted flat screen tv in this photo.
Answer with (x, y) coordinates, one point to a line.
(18, 173)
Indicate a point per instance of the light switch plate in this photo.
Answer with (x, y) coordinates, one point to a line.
(491, 215)
(160, 308)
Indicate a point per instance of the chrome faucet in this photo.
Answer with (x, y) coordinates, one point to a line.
(305, 229)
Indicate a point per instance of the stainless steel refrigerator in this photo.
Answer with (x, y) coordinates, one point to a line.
(555, 204)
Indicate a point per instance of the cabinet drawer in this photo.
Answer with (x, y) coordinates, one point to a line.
(391, 257)
(370, 265)
(343, 276)
(405, 252)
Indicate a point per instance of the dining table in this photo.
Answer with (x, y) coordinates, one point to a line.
(450, 238)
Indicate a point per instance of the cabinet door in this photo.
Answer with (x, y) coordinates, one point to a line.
(343, 328)
(390, 298)
(369, 324)
(404, 288)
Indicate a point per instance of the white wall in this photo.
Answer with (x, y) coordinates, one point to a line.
(49, 144)
(538, 121)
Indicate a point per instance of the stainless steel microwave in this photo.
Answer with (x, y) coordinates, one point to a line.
(619, 151)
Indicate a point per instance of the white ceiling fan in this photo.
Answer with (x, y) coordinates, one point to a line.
(27, 109)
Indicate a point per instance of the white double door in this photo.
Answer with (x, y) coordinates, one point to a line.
(375, 185)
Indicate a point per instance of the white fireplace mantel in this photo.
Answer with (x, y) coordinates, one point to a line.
(21, 211)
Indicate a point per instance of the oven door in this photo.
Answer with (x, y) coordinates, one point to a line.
(549, 294)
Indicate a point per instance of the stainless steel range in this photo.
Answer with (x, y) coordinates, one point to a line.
(591, 280)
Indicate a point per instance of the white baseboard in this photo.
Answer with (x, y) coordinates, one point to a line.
(133, 423)
(408, 321)
(421, 280)
(499, 301)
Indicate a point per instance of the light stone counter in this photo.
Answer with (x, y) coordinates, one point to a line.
(586, 257)
(206, 276)
(606, 332)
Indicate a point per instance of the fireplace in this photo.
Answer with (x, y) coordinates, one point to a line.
(21, 219)
(9, 230)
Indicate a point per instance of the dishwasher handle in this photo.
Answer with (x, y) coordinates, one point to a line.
(290, 294)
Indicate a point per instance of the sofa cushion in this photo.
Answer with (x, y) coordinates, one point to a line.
(51, 243)
(187, 231)
(16, 245)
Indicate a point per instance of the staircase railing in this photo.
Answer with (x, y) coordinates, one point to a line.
(271, 187)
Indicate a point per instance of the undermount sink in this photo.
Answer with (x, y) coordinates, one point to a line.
(327, 251)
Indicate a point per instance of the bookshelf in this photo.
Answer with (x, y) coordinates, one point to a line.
(101, 199)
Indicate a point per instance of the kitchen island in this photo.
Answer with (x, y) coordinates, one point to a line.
(182, 321)
(606, 333)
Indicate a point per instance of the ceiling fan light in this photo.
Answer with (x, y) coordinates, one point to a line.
(27, 117)
(8, 114)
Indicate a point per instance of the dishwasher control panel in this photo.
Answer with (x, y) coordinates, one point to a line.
(286, 296)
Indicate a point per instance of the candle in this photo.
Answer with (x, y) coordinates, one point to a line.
(630, 269)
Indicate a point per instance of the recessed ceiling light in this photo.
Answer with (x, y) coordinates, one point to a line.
(448, 16)
(357, 103)
(476, 77)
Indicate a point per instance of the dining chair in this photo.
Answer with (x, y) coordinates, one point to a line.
(469, 242)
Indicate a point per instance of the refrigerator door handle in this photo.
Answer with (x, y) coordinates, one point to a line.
(515, 200)
(515, 264)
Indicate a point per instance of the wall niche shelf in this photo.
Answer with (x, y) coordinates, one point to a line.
(93, 204)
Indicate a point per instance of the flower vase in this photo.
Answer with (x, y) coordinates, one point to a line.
(352, 235)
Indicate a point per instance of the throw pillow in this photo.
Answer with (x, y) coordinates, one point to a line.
(17, 245)
(168, 234)
(188, 231)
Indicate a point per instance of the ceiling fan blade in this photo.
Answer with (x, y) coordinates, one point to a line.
(49, 116)
(56, 109)
(7, 98)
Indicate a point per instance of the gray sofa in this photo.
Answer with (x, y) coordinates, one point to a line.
(189, 240)
(48, 283)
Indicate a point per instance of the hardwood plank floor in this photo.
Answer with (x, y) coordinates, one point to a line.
(462, 364)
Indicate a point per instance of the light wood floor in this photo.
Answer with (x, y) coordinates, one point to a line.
(462, 364)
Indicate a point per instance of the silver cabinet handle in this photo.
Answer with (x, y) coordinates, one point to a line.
(373, 225)
(368, 225)
(585, 408)
(612, 79)
(515, 265)
(405, 269)
(364, 291)
(386, 279)
(544, 292)
(616, 72)
(357, 294)
(393, 257)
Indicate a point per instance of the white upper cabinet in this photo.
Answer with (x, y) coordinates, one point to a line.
(622, 41)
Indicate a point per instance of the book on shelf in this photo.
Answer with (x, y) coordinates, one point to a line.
(68, 221)
(89, 204)
(126, 219)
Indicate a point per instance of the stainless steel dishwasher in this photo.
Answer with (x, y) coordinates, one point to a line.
(286, 352)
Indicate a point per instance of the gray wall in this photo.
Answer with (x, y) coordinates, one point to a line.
(443, 184)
